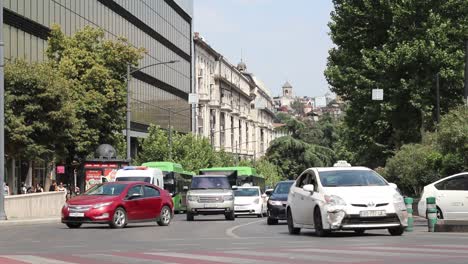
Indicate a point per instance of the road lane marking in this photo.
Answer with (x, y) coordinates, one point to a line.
(215, 257)
(36, 259)
(419, 250)
(230, 231)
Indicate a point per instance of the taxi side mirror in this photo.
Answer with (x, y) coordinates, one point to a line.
(309, 188)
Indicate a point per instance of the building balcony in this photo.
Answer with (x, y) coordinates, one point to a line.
(204, 97)
(226, 106)
(213, 102)
(244, 114)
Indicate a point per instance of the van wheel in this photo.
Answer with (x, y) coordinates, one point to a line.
(230, 216)
(165, 216)
(292, 230)
(190, 216)
(272, 221)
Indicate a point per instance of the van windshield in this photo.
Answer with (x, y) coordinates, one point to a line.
(210, 183)
(134, 178)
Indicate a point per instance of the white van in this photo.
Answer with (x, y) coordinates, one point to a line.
(141, 173)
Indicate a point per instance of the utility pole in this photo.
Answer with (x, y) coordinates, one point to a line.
(128, 114)
(466, 72)
(170, 133)
(437, 99)
(2, 120)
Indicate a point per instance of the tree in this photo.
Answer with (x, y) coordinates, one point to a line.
(397, 46)
(39, 111)
(293, 156)
(413, 167)
(96, 68)
(298, 107)
(269, 171)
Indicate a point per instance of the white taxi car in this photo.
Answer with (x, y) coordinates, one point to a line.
(451, 195)
(248, 200)
(345, 198)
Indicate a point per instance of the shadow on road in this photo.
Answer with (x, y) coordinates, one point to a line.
(339, 234)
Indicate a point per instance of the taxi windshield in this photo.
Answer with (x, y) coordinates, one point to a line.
(246, 192)
(349, 178)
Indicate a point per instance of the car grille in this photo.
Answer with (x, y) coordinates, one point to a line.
(365, 205)
(356, 219)
(211, 199)
(79, 208)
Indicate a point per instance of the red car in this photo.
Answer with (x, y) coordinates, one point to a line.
(119, 203)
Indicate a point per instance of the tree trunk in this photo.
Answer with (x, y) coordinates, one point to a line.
(12, 181)
(29, 179)
(50, 175)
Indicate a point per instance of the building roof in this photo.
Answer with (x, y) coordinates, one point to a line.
(287, 85)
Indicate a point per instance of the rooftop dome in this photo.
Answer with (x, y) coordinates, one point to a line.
(287, 85)
(241, 66)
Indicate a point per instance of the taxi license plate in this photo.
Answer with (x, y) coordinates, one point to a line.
(76, 214)
(239, 208)
(374, 213)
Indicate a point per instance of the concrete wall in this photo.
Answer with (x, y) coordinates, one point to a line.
(34, 205)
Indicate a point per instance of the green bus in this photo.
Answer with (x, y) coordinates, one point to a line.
(175, 178)
(238, 175)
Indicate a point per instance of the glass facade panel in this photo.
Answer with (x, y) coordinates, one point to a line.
(158, 15)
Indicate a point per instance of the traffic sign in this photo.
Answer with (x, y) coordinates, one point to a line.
(377, 94)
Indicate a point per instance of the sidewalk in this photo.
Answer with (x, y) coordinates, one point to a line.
(35, 221)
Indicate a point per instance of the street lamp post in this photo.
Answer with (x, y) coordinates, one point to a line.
(2, 120)
(128, 76)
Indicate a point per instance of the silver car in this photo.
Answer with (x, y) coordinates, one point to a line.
(210, 195)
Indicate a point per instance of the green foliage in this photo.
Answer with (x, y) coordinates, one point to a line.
(293, 156)
(397, 46)
(413, 167)
(298, 107)
(95, 67)
(443, 153)
(269, 171)
(39, 111)
(193, 152)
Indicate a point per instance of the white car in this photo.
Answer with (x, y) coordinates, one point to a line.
(248, 200)
(451, 195)
(344, 198)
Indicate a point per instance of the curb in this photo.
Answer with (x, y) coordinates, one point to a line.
(31, 221)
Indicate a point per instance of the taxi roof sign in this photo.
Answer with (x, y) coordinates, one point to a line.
(342, 163)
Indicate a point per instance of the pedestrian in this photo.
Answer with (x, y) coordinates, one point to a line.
(6, 189)
(61, 188)
(24, 190)
(53, 187)
(39, 188)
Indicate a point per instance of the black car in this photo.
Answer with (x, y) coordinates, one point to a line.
(277, 202)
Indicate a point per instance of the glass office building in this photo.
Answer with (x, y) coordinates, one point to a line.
(162, 27)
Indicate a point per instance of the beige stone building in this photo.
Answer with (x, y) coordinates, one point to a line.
(235, 108)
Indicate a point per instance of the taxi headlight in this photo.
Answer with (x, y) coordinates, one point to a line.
(399, 202)
(334, 200)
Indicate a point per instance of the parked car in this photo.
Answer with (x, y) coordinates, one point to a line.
(277, 202)
(210, 195)
(451, 195)
(344, 198)
(248, 200)
(119, 203)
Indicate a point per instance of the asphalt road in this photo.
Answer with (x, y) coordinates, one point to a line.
(213, 240)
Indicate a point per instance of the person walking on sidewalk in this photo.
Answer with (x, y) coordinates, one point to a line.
(61, 188)
(39, 188)
(6, 189)
(53, 187)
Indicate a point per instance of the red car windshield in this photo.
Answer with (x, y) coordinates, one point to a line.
(111, 189)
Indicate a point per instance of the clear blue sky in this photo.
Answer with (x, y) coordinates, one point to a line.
(280, 39)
